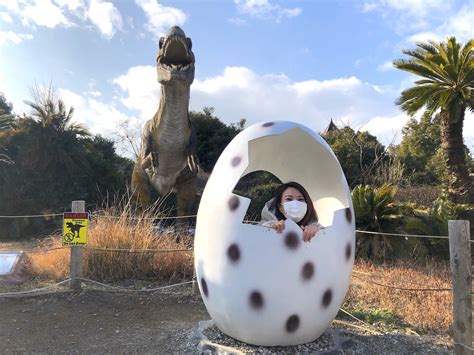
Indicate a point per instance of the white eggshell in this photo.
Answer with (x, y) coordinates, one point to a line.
(258, 286)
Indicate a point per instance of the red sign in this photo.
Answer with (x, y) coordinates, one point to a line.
(76, 215)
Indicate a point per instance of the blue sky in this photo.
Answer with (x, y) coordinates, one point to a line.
(302, 60)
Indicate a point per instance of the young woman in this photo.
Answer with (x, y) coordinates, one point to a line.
(291, 201)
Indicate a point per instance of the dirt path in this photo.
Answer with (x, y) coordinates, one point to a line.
(160, 323)
(99, 322)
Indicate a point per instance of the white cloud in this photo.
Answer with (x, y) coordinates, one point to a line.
(370, 6)
(423, 20)
(386, 66)
(52, 13)
(458, 24)
(387, 128)
(92, 93)
(142, 90)
(3, 86)
(11, 5)
(237, 21)
(12, 37)
(412, 8)
(104, 118)
(72, 5)
(461, 24)
(99, 117)
(239, 92)
(5, 17)
(44, 13)
(105, 16)
(265, 10)
(160, 17)
(468, 130)
(423, 37)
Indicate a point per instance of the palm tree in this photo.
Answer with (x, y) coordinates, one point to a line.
(52, 113)
(375, 211)
(447, 69)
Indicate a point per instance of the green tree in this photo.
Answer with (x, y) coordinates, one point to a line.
(213, 136)
(418, 148)
(6, 108)
(447, 69)
(56, 161)
(7, 120)
(359, 153)
(109, 174)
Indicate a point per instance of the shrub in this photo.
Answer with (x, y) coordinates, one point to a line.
(422, 196)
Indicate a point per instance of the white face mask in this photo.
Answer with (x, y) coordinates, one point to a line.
(294, 210)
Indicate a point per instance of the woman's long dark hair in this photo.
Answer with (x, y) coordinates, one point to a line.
(310, 215)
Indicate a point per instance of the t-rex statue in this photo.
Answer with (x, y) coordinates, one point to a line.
(167, 159)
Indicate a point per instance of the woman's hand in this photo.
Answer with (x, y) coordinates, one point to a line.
(279, 226)
(310, 231)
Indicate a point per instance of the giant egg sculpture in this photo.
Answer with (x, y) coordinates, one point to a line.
(258, 286)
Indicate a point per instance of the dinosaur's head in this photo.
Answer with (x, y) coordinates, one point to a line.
(175, 60)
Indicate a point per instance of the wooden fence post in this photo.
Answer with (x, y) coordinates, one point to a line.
(76, 253)
(461, 271)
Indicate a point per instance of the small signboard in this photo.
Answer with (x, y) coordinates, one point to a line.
(75, 228)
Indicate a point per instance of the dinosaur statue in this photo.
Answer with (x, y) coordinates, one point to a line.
(167, 160)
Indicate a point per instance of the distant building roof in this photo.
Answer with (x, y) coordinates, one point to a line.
(331, 127)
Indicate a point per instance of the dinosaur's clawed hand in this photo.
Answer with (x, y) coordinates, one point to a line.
(150, 161)
(193, 163)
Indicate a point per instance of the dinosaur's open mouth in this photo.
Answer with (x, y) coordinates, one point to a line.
(175, 54)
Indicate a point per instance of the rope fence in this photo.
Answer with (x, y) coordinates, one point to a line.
(138, 250)
(404, 288)
(403, 281)
(35, 290)
(405, 235)
(40, 291)
(34, 215)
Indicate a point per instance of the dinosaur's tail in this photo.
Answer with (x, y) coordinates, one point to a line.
(141, 184)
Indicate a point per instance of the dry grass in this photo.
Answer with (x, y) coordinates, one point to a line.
(427, 311)
(120, 228)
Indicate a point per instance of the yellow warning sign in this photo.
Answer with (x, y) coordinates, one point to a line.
(75, 228)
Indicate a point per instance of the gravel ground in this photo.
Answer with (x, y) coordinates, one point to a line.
(170, 321)
(336, 340)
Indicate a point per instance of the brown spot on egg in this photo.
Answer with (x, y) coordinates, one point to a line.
(234, 203)
(348, 214)
(268, 124)
(256, 300)
(291, 240)
(292, 323)
(348, 251)
(307, 271)
(233, 252)
(327, 298)
(236, 161)
(204, 287)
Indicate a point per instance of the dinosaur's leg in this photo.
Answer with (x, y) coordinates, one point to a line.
(141, 186)
(186, 187)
